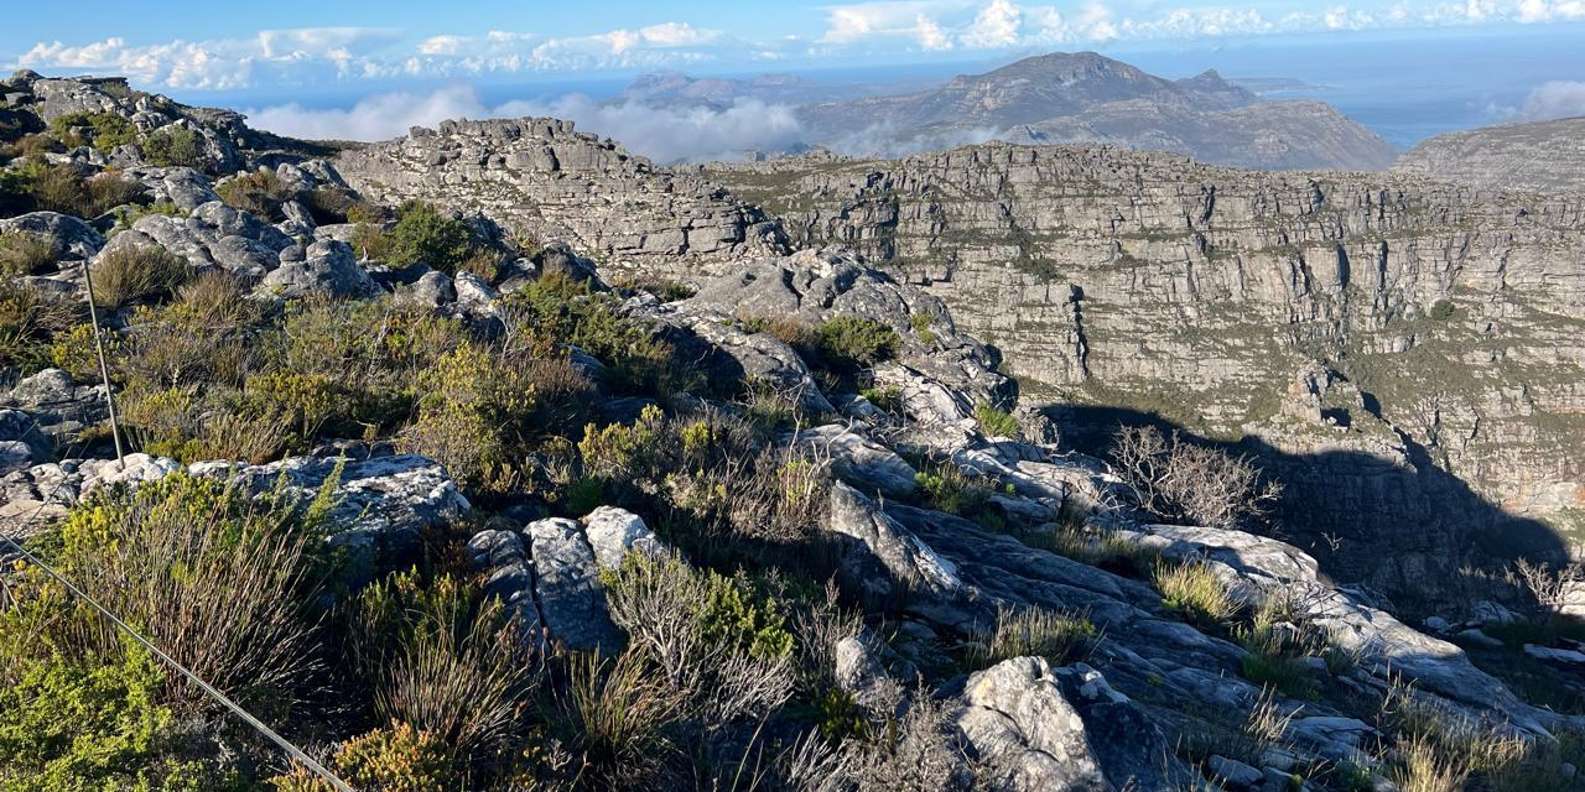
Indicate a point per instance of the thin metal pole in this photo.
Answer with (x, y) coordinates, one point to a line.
(104, 370)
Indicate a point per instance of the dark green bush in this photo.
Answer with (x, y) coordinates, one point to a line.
(175, 146)
(848, 343)
(996, 423)
(423, 233)
(1442, 310)
(103, 131)
(556, 310)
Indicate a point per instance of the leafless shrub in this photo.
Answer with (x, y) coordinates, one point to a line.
(1178, 480)
(819, 629)
(1549, 587)
(923, 751)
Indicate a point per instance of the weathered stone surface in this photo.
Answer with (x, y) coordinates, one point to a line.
(509, 575)
(567, 587)
(902, 561)
(540, 175)
(866, 464)
(328, 268)
(73, 239)
(1544, 156)
(1015, 716)
(614, 532)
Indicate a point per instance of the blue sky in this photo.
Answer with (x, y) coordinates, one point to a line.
(184, 45)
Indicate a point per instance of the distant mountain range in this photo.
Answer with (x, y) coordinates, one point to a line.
(1060, 98)
(1544, 156)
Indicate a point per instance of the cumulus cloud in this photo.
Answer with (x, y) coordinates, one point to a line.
(666, 134)
(1000, 24)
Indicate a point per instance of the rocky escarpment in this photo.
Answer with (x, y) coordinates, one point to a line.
(1544, 156)
(1203, 295)
(543, 180)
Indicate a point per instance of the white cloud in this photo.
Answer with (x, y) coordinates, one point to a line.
(997, 25)
(930, 34)
(663, 133)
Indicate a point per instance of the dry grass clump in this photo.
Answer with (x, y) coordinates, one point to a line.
(260, 192)
(29, 319)
(440, 658)
(1058, 636)
(128, 274)
(1178, 480)
(1194, 589)
(24, 253)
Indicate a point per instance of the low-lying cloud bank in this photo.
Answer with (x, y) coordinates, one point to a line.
(664, 134)
(1555, 99)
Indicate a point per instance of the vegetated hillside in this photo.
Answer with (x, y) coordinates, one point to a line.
(1392, 342)
(454, 506)
(1083, 98)
(1541, 156)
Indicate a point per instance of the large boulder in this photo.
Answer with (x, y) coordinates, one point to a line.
(72, 238)
(328, 268)
(1016, 718)
(567, 586)
(881, 556)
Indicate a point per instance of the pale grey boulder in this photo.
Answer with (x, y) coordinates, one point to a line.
(71, 238)
(613, 533)
(1015, 717)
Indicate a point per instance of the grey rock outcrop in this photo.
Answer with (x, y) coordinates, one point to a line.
(1016, 718)
(543, 177)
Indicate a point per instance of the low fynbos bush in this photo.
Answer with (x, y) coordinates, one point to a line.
(29, 320)
(175, 146)
(425, 234)
(23, 253)
(996, 423)
(852, 341)
(260, 192)
(1058, 636)
(103, 131)
(397, 758)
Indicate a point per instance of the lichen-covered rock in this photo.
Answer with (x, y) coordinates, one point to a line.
(860, 461)
(73, 239)
(567, 586)
(1015, 717)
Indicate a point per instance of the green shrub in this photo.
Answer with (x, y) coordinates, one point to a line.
(394, 759)
(921, 326)
(423, 233)
(131, 274)
(850, 341)
(104, 131)
(556, 311)
(29, 319)
(996, 423)
(175, 146)
(1443, 310)
(441, 658)
(482, 412)
(1058, 636)
(887, 399)
(947, 488)
(68, 724)
(220, 581)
